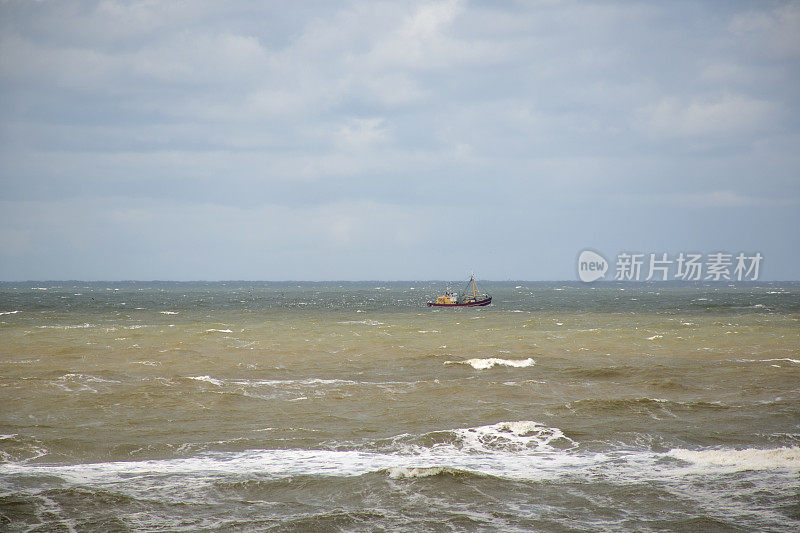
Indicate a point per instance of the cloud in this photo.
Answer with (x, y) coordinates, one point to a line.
(363, 132)
(775, 31)
(724, 116)
(116, 233)
(306, 131)
(732, 199)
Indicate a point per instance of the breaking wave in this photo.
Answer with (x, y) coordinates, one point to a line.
(487, 363)
(364, 322)
(738, 460)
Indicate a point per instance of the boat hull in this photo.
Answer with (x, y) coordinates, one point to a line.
(479, 303)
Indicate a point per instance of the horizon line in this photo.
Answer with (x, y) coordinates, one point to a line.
(507, 280)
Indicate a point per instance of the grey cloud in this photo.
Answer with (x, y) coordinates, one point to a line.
(388, 120)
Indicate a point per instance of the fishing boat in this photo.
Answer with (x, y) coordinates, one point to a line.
(469, 298)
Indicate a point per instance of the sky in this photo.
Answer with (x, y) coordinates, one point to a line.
(380, 140)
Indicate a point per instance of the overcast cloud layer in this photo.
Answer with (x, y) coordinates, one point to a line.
(393, 140)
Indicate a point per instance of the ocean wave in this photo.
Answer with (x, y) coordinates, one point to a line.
(402, 472)
(288, 463)
(795, 361)
(364, 322)
(74, 326)
(487, 363)
(87, 378)
(82, 383)
(512, 437)
(510, 459)
(503, 438)
(305, 382)
(213, 330)
(738, 460)
(207, 379)
(9, 313)
(655, 407)
(19, 449)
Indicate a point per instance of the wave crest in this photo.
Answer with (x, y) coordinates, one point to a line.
(513, 437)
(747, 459)
(487, 363)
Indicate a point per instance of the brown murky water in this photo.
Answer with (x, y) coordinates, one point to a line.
(136, 406)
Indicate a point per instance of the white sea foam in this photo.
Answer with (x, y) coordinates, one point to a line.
(81, 382)
(278, 383)
(487, 363)
(207, 379)
(9, 313)
(399, 472)
(365, 322)
(517, 450)
(311, 381)
(654, 337)
(795, 361)
(737, 460)
(512, 437)
(212, 330)
(87, 378)
(168, 312)
(522, 450)
(74, 326)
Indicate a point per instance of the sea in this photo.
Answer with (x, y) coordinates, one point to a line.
(352, 406)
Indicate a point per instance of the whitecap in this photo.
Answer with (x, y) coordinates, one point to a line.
(75, 326)
(795, 361)
(400, 472)
(219, 330)
(86, 378)
(738, 460)
(511, 437)
(168, 312)
(487, 450)
(654, 337)
(207, 379)
(9, 312)
(365, 322)
(487, 363)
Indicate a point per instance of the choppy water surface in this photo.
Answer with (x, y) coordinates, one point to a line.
(327, 407)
